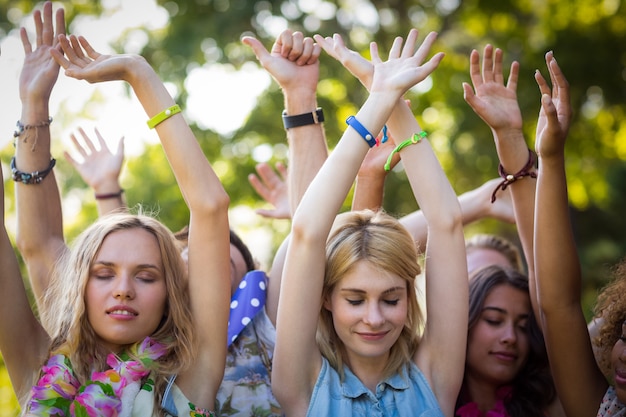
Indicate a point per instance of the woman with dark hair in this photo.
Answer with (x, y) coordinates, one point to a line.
(506, 368)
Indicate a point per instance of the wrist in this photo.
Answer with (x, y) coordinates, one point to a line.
(300, 102)
(136, 70)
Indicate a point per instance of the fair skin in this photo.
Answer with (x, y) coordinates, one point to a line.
(293, 63)
(497, 345)
(496, 103)
(480, 257)
(126, 296)
(41, 230)
(369, 308)
(271, 185)
(579, 381)
(304, 267)
(208, 263)
(99, 167)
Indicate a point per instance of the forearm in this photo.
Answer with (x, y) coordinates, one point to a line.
(368, 193)
(435, 196)
(327, 192)
(556, 259)
(38, 206)
(307, 145)
(181, 147)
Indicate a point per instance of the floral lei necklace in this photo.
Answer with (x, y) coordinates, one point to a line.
(59, 393)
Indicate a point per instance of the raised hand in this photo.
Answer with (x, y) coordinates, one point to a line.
(99, 166)
(82, 62)
(556, 112)
(292, 62)
(272, 186)
(490, 99)
(354, 62)
(40, 71)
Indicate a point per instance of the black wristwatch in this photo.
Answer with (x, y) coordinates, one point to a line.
(303, 119)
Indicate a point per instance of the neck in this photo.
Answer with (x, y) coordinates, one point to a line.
(368, 370)
(481, 392)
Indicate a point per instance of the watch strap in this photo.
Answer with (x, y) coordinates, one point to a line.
(314, 117)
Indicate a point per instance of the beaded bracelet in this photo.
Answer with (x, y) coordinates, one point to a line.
(508, 179)
(33, 177)
(164, 115)
(361, 130)
(416, 138)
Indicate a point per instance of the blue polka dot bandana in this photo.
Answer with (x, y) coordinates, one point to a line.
(246, 302)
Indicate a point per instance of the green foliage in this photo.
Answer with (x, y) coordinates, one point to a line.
(587, 36)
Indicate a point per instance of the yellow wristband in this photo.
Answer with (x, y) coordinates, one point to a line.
(164, 115)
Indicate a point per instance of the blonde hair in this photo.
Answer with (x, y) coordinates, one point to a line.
(65, 310)
(499, 244)
(383, 242)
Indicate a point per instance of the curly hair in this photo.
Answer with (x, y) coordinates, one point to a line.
(533, 388)
(611, 309)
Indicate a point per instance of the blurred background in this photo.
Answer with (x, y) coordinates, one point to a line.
(234, 106)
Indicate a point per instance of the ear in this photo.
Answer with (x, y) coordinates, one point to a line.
(327, 304)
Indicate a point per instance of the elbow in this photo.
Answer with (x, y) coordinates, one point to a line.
(450, 221)
(308, 232)
(211, 203)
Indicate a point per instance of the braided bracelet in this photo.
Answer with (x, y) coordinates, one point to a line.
(508, 179)
(21, 127)
(33, 177)
(416, 138)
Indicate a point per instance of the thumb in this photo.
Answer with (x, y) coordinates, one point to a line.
(257, 47)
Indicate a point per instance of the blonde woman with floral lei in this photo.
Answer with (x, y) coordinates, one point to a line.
(580, 382)
(122, 315)
(347, 328)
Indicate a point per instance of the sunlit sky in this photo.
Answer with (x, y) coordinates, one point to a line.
(106, 105)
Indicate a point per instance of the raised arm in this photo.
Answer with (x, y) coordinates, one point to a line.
(100, 169)
(293, 63)
(39, 218)
(496, 103)
(579, 382)
(209, 265)
(304, 269)
(475, 205)
(19, 323)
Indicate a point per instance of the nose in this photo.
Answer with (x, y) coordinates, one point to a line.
(373, 315)
(124, 288)
(509, 333)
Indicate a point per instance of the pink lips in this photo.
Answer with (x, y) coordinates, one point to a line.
(505, 356)
(373, 336)
(122, 312)
(620, 377)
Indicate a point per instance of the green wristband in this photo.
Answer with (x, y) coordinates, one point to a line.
(416, 138)
(164, 115)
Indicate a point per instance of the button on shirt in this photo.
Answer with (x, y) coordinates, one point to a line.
(406, 394)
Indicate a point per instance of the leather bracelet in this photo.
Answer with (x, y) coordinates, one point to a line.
(30, 177)
(508, 179)
(304, 119)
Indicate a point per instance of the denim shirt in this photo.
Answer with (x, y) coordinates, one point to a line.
(406, 394)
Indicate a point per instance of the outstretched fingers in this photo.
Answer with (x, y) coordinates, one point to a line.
(424, 49)
(513, 76)
(488, 63)
(497, 67)
(475, 75)
(88, 48)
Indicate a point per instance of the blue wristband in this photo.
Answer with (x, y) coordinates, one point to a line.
(361, 130)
